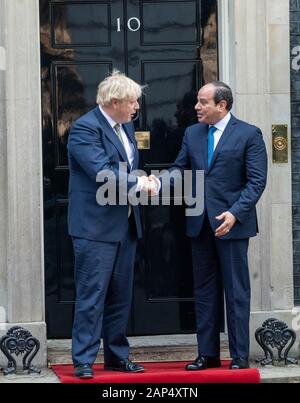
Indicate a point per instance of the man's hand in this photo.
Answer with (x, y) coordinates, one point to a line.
(228, 222)
(155, 184)
(150, 185)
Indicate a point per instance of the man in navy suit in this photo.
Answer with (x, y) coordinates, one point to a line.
(104, 236)
(233, 157)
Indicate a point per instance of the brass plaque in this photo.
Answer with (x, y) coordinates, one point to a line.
(143, 140)
(280, 144)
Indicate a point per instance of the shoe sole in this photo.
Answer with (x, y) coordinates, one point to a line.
(203, 369)
(122, 370)
(84, 376)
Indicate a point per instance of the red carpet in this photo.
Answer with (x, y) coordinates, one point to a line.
(162, 372)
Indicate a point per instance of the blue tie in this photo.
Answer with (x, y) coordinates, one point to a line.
(210, 144)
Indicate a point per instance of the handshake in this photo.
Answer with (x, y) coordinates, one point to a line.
(150, 184)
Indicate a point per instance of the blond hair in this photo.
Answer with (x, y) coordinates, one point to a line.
(117, 86)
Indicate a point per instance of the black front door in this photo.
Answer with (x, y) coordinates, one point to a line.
(172, 47)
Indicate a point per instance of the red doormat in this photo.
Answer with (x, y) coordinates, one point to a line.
(162, 372)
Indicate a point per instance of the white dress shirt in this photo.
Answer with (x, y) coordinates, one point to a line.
(129, 149)
(220, 126)
(128, 146)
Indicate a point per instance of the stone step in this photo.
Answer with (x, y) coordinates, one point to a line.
(280, 374)
(181, 347)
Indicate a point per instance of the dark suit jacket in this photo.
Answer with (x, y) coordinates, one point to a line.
(235, 179)
(93, 146)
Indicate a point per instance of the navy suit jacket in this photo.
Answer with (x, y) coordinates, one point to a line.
(93, 146)
(235, 179)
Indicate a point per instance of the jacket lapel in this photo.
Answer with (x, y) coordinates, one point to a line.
(204, 147)
(111, 135)
(225, 136)
(200, 145)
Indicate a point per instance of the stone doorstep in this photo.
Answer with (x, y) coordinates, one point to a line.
(152, 348)
(289, 374)
(142, 349)
(172, 348)
(138, 354)
(285, 374)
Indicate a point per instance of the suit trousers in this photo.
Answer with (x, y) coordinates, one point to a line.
(218, 266)
(103, 281)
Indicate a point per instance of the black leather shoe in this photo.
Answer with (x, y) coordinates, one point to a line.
(84, 371)
(124, 365)
(239, 363)
(203, 363)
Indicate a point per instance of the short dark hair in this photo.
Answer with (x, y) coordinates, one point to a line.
(223, 93)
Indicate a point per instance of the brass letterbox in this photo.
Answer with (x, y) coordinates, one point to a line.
(143, 140)
(280, 144)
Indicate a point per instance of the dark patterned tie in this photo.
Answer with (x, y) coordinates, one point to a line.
(117, 128)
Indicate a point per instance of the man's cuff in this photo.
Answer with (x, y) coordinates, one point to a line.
(235, 214)
(157, 185)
